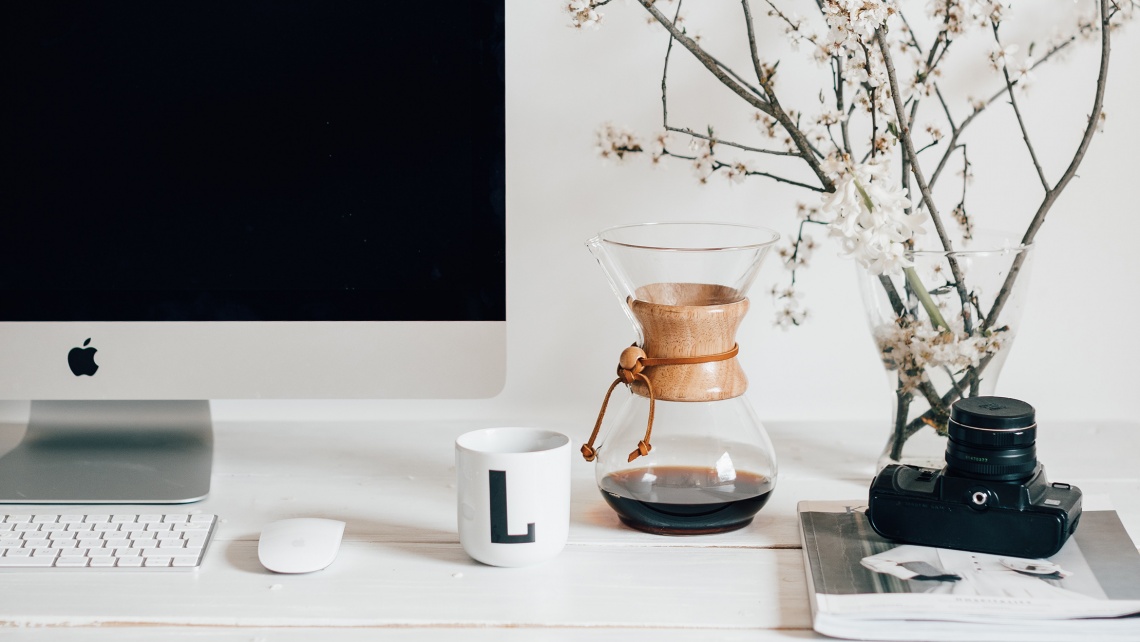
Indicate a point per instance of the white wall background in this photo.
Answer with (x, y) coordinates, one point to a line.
(1075, 357)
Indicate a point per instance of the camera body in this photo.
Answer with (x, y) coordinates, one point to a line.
(992, 496)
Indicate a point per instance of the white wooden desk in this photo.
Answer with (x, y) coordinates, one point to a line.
(402, 575)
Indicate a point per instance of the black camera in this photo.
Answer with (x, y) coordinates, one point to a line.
(992, 496)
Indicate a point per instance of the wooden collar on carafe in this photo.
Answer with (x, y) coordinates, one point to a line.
(630, 365)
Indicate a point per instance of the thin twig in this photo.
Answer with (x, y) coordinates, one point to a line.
(761, 77)
(665, 74)
(1017, 112)
(718, 165)
(721, 141)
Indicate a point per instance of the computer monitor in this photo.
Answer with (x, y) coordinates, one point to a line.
(238, 199)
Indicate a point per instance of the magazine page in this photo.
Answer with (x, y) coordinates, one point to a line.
(859, 576)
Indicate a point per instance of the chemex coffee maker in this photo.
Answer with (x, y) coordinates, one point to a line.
(685, 453)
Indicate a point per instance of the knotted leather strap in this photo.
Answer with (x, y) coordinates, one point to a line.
(630, 365)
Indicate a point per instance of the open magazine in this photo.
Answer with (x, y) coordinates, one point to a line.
(865, 587)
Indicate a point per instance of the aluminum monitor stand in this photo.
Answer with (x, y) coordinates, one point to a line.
(111, 452)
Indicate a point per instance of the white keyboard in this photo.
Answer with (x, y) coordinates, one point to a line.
(174, 541)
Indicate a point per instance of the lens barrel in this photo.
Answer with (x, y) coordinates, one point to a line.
(992, 439)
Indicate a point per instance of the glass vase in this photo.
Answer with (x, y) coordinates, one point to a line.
(943, 329)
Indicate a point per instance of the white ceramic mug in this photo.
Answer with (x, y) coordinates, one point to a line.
(514, 494)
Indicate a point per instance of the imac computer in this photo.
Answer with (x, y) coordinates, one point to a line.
(238, 199)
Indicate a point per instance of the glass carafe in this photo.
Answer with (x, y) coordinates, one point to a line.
(684, 453)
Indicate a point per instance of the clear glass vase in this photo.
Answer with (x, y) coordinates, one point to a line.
(683, 453)
(943, 329)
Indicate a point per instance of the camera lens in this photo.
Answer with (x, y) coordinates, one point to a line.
(992, 438)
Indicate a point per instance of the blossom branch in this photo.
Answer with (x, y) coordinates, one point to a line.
(689, 132)
(956, 133)
(722, 73)
(916, 170)
(718, 165)
(720, 141)
(1070, 171)
(770, 107)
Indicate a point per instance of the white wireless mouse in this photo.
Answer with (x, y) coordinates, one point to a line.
(300, 545)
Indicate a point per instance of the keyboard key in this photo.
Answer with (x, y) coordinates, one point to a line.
(149, 518)
(161, 535)
(90, 543)
(184, 560)
(53, 527)
(122, 519)
(63, 543)
(156, 561)
(201, 519)
(9, 561)
(80, 528)
(165, 544)
(55, 535)
(45, 519)
(97, 519)
(18, 552)
(70, 519)
(118, 543)
(103, 561)
(17, 519)
(71, 561)
(175, 519)
(34, 536)
(73, 552)
(134, 562)
(99, 552)
(155, 526)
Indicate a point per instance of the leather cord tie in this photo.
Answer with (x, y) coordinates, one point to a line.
(631, 363)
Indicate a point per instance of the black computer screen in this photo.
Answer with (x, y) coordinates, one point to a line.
(230, 160)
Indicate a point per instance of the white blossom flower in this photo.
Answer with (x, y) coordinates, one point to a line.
(737, 172)
(868, 213)
(584, 14)
(918, 347)
(789, 312)
(703, 162)
(1023, 73)
(855, 21)
(616, 143)
(1002, 56)
(961, 15)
